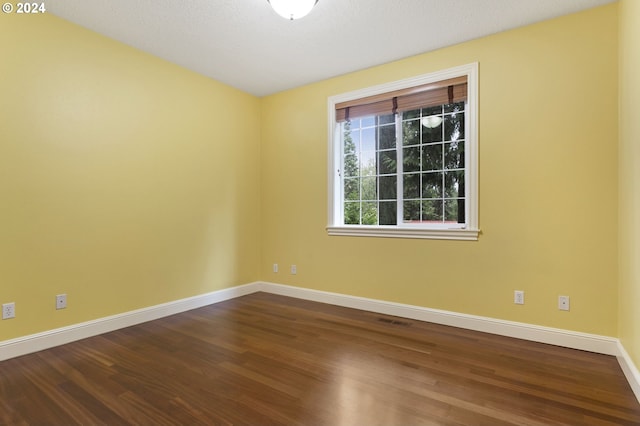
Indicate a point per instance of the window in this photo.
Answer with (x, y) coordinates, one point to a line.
(403, 158)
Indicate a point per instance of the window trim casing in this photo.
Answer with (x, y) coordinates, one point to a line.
(471, 230)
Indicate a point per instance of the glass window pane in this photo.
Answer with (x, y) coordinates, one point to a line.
(370, 213)
(434, 110)
(368, 163)
(411, 211)
(352, 188)
(411, 159)
(454, 127)
(355, 138)
(388, 187)
(411, 185)
(369, 190)
(407, 115)
(350, 140)
(368, 121)
(432, 157)
(387, 137)
(454, 184)
(386, 119)
(351, 165)
(351, 213)
(368, 139)
(388, 163)
(432, 134)
(411, 132)
(457, 107)
(388, 213)
(454, 155)
(433, 164)
(454, 211)
(432, 210)
(432, 185)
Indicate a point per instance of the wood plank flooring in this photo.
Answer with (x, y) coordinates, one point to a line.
(264, 359)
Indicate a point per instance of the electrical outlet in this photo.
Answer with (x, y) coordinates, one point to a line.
(8, 310)
(518, 297)
(61, 301)
(294, 270)
(275, 267)
(563, 303)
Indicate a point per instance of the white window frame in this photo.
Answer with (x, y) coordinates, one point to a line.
(468, 231)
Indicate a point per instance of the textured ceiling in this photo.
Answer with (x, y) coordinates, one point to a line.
(243, 43)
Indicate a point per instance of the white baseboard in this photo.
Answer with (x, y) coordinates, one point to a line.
(630, 370)
(59, 336)
(554, 336)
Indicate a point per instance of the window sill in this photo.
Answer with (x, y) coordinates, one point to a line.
(395, 232)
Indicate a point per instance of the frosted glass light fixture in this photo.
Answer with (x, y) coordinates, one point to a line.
(292, 9)
(431, 121)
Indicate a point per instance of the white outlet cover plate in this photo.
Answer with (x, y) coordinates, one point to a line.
(518, 297)
(8, 310)
(61, 301)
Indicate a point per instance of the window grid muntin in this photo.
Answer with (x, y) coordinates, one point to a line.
(447, 112)
(369, 165)
(375, 167)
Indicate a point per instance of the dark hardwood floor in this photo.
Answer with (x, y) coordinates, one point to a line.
(264, 359)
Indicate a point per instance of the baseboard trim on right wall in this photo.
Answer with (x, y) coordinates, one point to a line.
(629, 369)
(554, 336)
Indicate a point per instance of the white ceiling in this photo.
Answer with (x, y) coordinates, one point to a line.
(243, 43)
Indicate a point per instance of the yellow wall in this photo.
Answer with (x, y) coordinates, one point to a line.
(548, 178)
(125, 181)
(629, 178)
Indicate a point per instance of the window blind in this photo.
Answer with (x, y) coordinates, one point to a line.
(426, 95)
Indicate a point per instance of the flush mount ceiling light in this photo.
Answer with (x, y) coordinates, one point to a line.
(292, 9)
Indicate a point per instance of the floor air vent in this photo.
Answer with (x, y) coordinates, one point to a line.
(394, 322)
